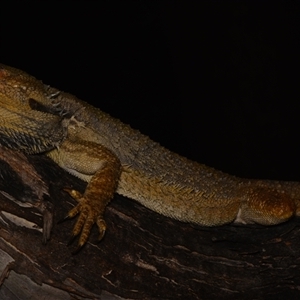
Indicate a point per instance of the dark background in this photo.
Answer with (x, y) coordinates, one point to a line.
(216, 81)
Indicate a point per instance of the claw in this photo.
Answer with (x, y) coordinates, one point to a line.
(67, 217)
(79, 247)
(102, 228)
(71, 240)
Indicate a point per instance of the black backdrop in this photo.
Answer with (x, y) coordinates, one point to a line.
(216, 81)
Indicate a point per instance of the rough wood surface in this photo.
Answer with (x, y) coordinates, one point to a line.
(143, 255)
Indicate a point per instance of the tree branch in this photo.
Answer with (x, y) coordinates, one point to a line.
(142, 256)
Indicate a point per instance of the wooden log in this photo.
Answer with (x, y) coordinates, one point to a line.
(143, 255)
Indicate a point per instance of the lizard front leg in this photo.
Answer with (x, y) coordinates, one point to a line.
(101, 169)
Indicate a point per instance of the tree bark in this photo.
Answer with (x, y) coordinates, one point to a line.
(142, 256)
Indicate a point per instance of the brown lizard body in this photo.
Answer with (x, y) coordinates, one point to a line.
(113, 157)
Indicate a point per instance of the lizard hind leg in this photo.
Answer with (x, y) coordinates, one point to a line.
(265, 206)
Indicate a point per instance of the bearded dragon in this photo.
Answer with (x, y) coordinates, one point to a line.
(112, 157)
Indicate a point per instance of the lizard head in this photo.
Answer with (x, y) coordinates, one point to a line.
(22, 126)
(29, 91)
(16, 82)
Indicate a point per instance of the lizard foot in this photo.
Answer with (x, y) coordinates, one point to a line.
(88, 216)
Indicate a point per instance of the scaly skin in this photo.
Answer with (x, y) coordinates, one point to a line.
(112, 157)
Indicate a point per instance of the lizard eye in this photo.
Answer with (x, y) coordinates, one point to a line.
(35, 105)
(54, 109)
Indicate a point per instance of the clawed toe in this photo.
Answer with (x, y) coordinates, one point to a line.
(74, 194)
(101, 227)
